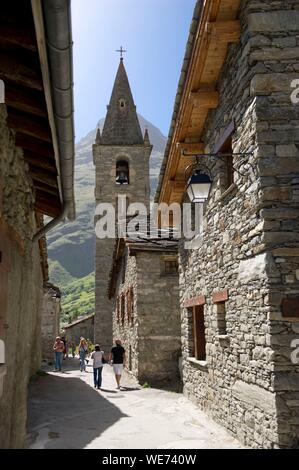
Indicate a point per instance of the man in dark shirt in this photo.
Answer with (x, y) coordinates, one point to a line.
(117, 358)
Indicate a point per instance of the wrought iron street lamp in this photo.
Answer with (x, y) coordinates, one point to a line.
(198, 175)
(199, 186)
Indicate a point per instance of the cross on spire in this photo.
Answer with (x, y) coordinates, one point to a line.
(121, 51)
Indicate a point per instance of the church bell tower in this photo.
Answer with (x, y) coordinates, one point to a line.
(121, 158)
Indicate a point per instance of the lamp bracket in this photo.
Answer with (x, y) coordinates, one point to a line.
(243, 159)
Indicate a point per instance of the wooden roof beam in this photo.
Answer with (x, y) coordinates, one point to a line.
(225, 31)
(191, 147)
(13, 70)
(39, 161)
(36, 146)
(26, 100)
(47, 204)
(20, 36)
(44, 177)
(177, 186)
(45, 188)
(205, 99)
(29, 126)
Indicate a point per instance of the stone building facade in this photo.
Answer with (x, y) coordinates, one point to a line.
(121, 151)
(51, 307)
(33, 183)
(21, 287)
(239, 288)
(83, 327)
(146, 315)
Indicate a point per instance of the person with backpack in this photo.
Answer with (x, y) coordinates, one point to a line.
(98, 362)
(83, 350)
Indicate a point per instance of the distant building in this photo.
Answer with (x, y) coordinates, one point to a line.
(51, 308)
(81, 327)
(239, 285)
(146, 313)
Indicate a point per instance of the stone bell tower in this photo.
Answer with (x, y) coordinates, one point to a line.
(121, 158)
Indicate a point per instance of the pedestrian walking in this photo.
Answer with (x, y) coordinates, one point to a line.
(58, 352)
(72, 346)
(82, 353)
(63, 339)
(98, 363)
(89, 348)
(117, 358)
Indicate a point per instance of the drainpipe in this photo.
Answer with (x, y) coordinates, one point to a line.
(56, 17)
(52, 224)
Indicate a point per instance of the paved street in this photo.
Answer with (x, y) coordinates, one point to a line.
(65, 411)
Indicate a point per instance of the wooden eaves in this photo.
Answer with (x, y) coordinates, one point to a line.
(213, 28)
(26, 102)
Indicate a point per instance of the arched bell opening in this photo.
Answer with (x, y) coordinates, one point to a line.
(122, 172)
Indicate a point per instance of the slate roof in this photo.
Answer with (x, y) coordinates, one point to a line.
(121, 125)
(81, 320)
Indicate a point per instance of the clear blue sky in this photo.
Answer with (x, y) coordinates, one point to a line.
(154, 32)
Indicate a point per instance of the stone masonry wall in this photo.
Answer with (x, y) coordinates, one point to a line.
(20, 321)
(152, 339)
(50, 321)
(105, 158)
(277, 24)
(248, 380)
(127, 331)
(159, 319)
(83, 328)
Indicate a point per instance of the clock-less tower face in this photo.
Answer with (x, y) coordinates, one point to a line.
(121, 157)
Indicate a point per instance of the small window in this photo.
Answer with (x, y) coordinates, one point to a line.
(130, 305)
(224, 146)
(171, 267)
(118, 310)
(130, 357)
(197, 336)
(228, 162)
(122, 103)
(221, 318)
(124, 268)
(122, 309)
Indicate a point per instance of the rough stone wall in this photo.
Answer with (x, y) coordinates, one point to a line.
(20, 322)
(50, 320)
(245, 369)
(128, 331)
(105, 158)
(278, 147)
(159, 319)
(83, 328)
(153, 339)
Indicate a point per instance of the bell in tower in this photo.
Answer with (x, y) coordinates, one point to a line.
(122, 172)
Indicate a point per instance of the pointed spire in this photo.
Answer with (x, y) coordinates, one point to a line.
(146, 139)
(98, 136)
(121, 124)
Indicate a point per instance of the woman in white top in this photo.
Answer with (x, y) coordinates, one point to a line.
(97, 357)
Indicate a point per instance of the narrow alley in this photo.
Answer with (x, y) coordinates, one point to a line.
(65, 412)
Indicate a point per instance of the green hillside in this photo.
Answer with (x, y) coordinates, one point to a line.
(78, 298)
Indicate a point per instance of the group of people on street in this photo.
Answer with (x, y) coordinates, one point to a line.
(98, 356)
